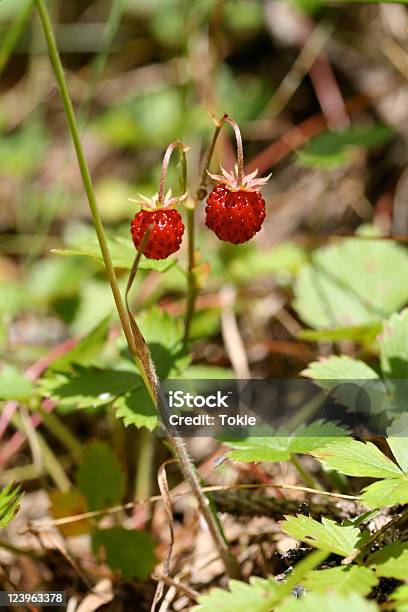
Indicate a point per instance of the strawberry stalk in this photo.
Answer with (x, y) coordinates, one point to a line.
(134, 338)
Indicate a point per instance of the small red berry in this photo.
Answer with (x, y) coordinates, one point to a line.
(166, 229)
(235, 212)
(234, 216)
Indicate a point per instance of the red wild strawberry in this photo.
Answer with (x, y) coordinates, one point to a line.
(235, 208)
(164, 223)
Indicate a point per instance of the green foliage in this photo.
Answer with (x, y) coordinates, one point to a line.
(100, 477)
(10, 499)
(87, 387)
(326, 536)
(332, 149)
(21, 153)
(356, 282)
(342, 579)
(122, 253)
(333, 603)
(86, 350)
(280, 445)
(259, 595)
(129, 551)
(355, 458)
(14, 385)
(400, 597)
(391, 561)
(136, 408)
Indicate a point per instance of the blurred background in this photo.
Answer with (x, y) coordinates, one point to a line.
(145, 72)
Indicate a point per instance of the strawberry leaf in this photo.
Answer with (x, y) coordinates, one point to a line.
(281, 445)
(387, 492)
(327, 535)
(355, 458)
(334, 603)
(344, 580)
(100, 477)
(391, 561)
(129, 551)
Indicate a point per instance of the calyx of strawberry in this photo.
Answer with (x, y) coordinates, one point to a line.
(154, 203)
(234, 182)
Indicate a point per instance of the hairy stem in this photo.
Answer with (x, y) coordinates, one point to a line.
(165, 166)
(134, 338)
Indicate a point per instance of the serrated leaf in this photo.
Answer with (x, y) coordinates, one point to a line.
(340, 368)
(344, 580)
(397, 438)
(86, 350)
(387, 492)
(122, 253)
(333, 603)
(391, 561)
(331, 149)
(164, 335)
(88, 387)
(10, 499)
(350, 382)
(327, 535)
(354, 282)
(355, 458)
(257, 596)
(280, 445)
(136, 408)
(14, 385)
(128, 551)
(101, 477)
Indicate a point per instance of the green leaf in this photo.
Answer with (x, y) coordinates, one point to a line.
(122, 253)
(397, 438)
(327, 535)
(400, 596)
(259, 595)
(100, 477)
(87, 387)
(281, 445)
(391, 561)
(14, 385)
(385, 493)
(348, 380)
(10, 499)
(136, 408)
(365, 334)
(333, 603)
(354, 282)
(86, 350)
(332, 149)
(393, 344)
(344, 580)
(129, 551)
(164, 335)
(340, 368)
(355, 458)
(283, 260)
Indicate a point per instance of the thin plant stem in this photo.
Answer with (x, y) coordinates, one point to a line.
(145, 464)
(240, 149)
(192, 288)
(308, 478)
(134, 338)
(61, 432)
(13, 34)
(177, 144)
